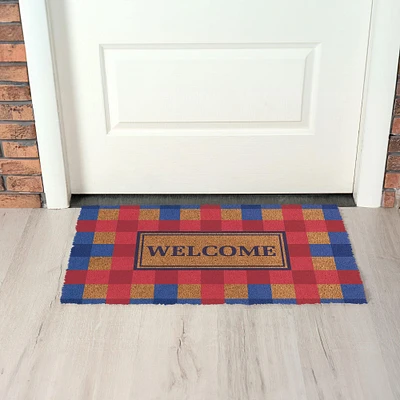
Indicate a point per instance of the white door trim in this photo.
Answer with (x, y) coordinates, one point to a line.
(48, 116)
(374, 125)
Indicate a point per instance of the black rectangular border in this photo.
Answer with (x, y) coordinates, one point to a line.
(282, 235)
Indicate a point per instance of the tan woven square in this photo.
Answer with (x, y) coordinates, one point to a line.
(92, 291)
(236, 291)
(283, 291)
(330, 291)
(275, 215)
(231, 214)
(324, 263)
(107, 215)
(99, 263)
(104, 238)
(189, 214)
(318, 238)
(142, 291)
(149, 214)
(189, 291)
(313, 214)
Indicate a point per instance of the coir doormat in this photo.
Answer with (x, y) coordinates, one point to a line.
(212, 254)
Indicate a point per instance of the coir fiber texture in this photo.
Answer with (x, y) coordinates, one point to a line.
(212, 254)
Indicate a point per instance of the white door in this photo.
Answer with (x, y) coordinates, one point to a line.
(211, 96)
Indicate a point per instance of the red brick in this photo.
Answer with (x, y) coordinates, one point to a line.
(15, 131)
(11, 33)
(1, 184)
(24, 183)
(393, 163)
(20, 201)
(396, 111)
(392, 180)
(14, 93)
(12, 52)
(19, 167)
(398, 88)
(9, 13)
(20, 150)
(388, 199)
(13, 112)
(394, 144)
(13, 73)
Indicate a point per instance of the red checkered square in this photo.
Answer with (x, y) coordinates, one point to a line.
(249, 225)
(75, 277)
(297, 238)
(124, 250)
(307, 292)
(281, 276)
(213, 291)
(335, 226)
(121, 277)
(211, 226)
(190, 226)
(235, 277)
(274, 225)
(106, 226)
(119, 294)
(301, 263)
(166, 277)
(349, 277)
(121, 263)
(86, 226)
(148, 225)
(303, 277)
(169, 225)
(299, 250)
(144, 277)
(327, 277)
(129, 213)
(295, 226)
(189, 277)
(232, 225)
(212, 213)
(290, 214)
(258, 277)
(97, 277)
(212, 276)
(125, 238)
(127, 226)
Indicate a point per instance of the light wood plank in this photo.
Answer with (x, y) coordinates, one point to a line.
(12, 224)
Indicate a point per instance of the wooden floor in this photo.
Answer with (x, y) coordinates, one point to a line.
(57, 352)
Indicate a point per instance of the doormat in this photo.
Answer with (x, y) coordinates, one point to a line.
(212, 254)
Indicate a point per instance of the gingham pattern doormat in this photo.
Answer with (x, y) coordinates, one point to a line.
(212, 254)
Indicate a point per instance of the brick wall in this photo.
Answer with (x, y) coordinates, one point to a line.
(392, 175)
(20, 179)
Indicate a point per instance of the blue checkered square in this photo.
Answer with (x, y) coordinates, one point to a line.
(321, 250)
(332, 214)
(170, 213)
(89, 213)
(78, 263)
(102, 250)
(165, 294)
(353, 293)
(81, 250)
(252, 213)
(339, 238)
(72, 294)
(84, 238)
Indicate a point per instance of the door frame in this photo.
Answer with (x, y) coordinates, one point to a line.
(375, 120)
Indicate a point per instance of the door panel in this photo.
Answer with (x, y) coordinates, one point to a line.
(211, 96)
